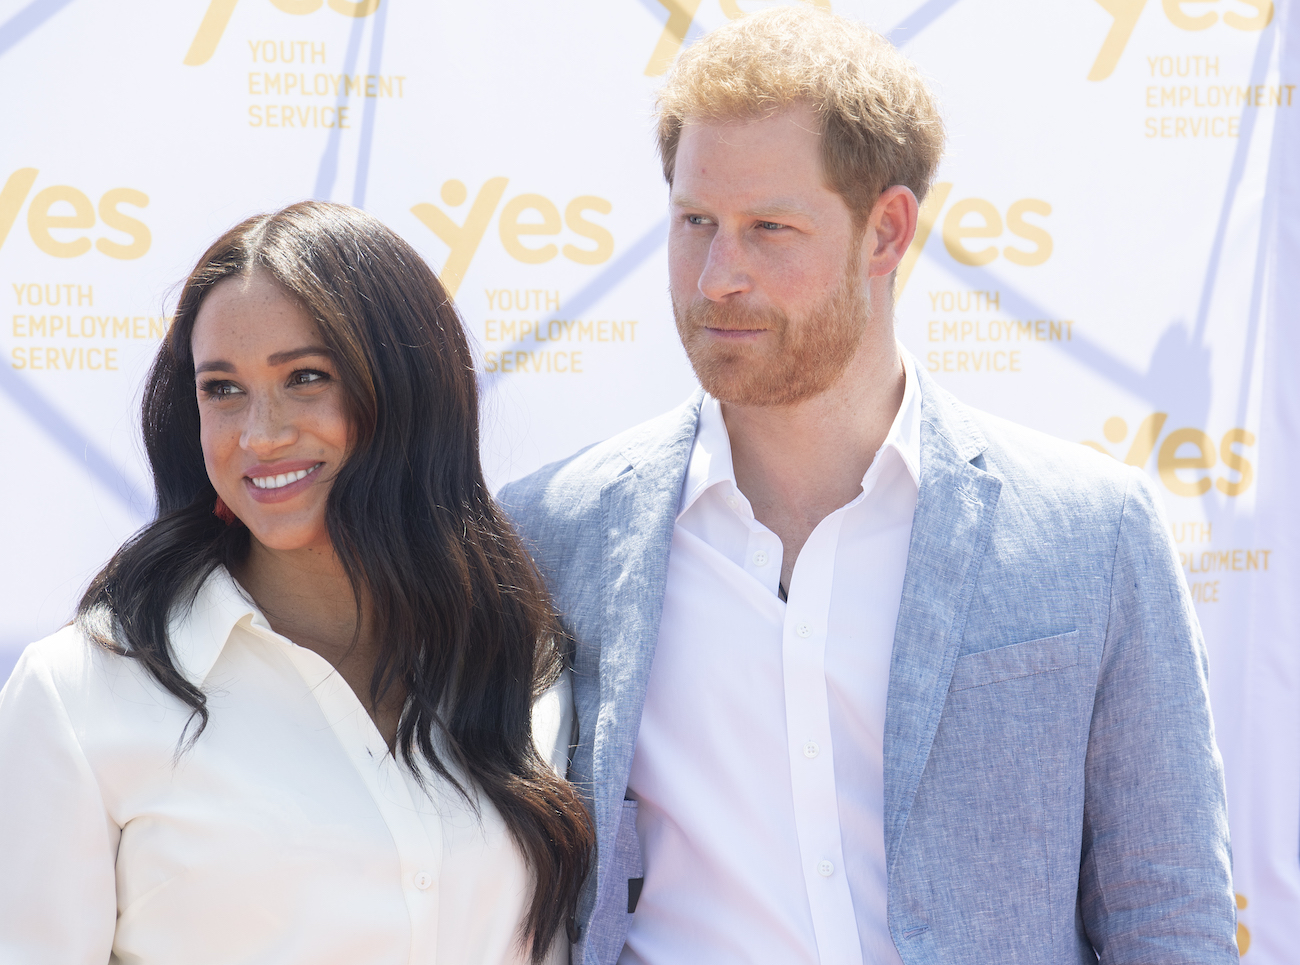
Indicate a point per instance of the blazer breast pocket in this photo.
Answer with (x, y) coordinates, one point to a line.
(1017, 660)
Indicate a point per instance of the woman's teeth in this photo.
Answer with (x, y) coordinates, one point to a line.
(283, 479)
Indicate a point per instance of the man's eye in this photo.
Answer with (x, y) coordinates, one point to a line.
(697, 219)
(770, 225)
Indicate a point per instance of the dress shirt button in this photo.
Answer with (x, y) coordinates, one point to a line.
(732, 502)
(803, 630)
(423, 879)
(759, 558)
(826, 868)
(811, 750)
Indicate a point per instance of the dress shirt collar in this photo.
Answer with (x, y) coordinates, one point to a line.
(710, 462)
(199, 633)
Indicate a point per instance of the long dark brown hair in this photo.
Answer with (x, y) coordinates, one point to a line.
(460, 615)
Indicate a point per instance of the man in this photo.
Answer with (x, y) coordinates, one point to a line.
(863, 675)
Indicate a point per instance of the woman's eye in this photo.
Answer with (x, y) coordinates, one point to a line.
(308, 377)
(218, 389)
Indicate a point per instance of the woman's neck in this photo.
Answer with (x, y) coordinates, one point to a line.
(307, 597)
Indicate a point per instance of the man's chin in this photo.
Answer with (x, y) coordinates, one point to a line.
(745, 378)
(725, 371)
(745, 383)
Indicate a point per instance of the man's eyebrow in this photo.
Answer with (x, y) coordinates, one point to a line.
(278, 358)
(777, 206)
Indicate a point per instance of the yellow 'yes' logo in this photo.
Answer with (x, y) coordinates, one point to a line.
(975, 218)
(1184, 450)
(681, 14)
(214, 22)
(463, 239)
(1126, 13)
(41, 219)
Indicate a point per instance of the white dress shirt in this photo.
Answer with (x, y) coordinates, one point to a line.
(287, 835)
(759, 762)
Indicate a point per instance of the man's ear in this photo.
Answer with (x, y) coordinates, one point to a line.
(890, 229)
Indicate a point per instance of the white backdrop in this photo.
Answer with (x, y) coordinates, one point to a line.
(1105, 258)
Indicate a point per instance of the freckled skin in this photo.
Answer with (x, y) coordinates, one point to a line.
(255, 412)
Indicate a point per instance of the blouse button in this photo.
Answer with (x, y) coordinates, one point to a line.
(423, 879)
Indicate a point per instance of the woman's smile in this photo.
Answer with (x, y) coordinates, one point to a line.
(281, 481)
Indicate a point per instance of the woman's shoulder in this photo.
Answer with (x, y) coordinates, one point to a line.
(69, 667)
(553, 719)
(65, 652)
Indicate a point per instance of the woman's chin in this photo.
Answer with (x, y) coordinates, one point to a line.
(287, 537)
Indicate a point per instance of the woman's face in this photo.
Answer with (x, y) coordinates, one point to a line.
(272, 411)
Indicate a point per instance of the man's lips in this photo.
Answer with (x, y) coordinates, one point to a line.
(276, 482)
(733, 333)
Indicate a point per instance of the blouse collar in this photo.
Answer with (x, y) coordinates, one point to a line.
(198, 633)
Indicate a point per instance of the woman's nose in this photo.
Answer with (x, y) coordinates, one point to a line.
(268, 427)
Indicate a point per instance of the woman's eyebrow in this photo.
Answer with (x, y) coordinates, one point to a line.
(279, 358)
(216, 365)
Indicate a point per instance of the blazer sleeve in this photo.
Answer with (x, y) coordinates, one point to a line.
(58, 894)
(1155, 881)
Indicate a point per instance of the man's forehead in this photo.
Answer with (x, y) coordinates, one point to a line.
(772, 162)
(794, 121)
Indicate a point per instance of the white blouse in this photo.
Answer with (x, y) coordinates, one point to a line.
(287, 834)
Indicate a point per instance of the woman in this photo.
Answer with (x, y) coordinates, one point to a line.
(291, 723)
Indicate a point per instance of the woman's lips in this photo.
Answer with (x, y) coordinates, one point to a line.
(278, 480)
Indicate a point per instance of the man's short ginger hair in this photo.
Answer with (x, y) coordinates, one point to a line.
(881, 126)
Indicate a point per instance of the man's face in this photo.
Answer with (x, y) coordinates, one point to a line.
(765, 266)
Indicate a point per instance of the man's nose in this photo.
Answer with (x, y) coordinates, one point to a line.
(726, 270)
(268, 427)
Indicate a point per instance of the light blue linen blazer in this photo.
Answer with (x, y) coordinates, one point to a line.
(1053, 792)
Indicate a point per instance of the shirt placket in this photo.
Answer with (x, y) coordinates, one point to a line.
(763, 555)
(419, 854)
(811, 755)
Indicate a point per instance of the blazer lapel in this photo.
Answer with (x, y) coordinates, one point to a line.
(638, 513)
(950, 531)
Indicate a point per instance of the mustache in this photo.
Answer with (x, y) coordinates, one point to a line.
(707, 314)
